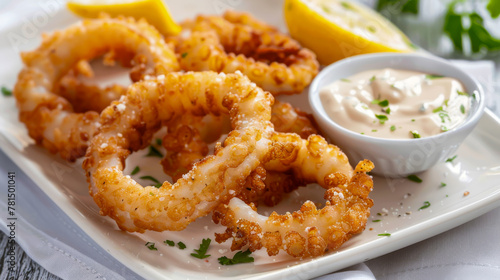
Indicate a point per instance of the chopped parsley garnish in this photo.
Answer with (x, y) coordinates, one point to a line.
(438, 109)
(462, 109)
(388, 111)
(374, 130)
(169, 243)
(183, 55)
(451, 159)
(413, 120)
(376, 221)
(373, 79)
(443, 184)
(6, 91)
(432, 77)
(462, 93)
(415, 134)
(151, 246)
(201, 253)
(135, 171)
(382, 118)
(345, 80)
(381, 103)
(443, 115)
(444, 128)
(151, 178)
(393, 127)
(384, 234)
(239, 257)
(181, 245)
(414, 178)
(153, 152)
(158, 141)
(426, 205)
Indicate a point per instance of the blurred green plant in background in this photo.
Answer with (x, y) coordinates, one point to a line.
(467, 24)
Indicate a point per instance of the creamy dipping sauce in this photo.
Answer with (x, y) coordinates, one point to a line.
(396, 104)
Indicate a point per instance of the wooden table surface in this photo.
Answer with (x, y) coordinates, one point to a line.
(26, 267)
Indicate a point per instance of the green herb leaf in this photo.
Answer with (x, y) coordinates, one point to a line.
(414, 178)
(393, 127)
(151, 246)
(451, 159)
(201, 253)
(169, 243)
(382, 118)
(398, 6)
(426, 205)
(494, 8)
(181, 245)
(443, 184)
(381, 103)
(373, 79)
(183, 55)
(376, 221)
(158, 141)
(151, 178)
(239, 257)
(415, 134)
(345, 80)
(384, 234)
(462, 93)
(478, 36)
(438, 109)
(462, 109)
(153, 152)
(432, 77)
(6, 91)
(135, 171)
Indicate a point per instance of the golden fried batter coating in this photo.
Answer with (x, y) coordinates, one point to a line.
(129, 124)
(50, 118)
(308, 231)
(238, 42)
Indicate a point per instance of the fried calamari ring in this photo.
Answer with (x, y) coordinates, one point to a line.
(129, 125)
(238, 42)
(84, 96)
(50, 118)
(188, 138)
(308, 231)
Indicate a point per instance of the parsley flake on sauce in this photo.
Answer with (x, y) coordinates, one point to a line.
(415, 134)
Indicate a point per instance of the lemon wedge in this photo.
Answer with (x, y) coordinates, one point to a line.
(336, 29)
(154, 11)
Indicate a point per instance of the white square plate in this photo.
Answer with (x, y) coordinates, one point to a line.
(475, 171)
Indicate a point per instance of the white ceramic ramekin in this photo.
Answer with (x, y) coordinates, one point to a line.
(394, 157)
